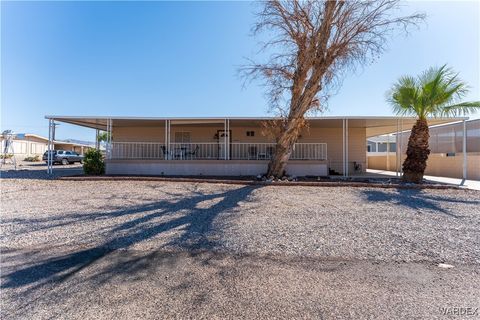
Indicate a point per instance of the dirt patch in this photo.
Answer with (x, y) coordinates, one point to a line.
(373, 183)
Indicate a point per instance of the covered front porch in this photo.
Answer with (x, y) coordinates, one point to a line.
(214, 147)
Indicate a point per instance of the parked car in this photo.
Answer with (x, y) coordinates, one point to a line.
(63, 156)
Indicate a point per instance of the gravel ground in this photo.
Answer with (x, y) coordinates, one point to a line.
(130, 249)
(38, 170)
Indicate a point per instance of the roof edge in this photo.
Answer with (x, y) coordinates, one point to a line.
(54, 117)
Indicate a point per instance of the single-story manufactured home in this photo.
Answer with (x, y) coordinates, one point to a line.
(236, 146)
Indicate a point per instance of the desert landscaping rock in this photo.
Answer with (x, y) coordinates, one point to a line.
(131, 249)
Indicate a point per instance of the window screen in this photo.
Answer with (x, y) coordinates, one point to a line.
(182, 137)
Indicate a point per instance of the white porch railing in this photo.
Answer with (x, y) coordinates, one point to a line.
(213, 151)
(138, 150)
(196, 151)
(309, 151)
(265, 151)
(251, 151)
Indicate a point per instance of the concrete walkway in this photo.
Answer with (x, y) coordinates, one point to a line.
(468, 184)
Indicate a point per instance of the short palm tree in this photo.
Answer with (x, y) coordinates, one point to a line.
(435, 93)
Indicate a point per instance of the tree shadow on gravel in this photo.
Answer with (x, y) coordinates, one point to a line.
(415, 199)
(199, 232)
(32, 224)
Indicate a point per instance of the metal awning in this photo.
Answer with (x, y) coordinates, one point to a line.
(374, 125)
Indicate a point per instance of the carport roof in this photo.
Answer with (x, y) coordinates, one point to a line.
(374, 125)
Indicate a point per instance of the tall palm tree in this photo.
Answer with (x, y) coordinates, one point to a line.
(437, 92)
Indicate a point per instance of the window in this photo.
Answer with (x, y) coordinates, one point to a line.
(69, 152)
(250, 133)
(182, 137)
(20, 147)
(393, 147)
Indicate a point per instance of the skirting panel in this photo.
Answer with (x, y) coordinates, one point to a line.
(210, 168)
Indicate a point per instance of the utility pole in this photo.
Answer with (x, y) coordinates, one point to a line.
(8, 137)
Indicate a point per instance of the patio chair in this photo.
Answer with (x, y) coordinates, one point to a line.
(192, 153)
(165, 152)
(179, 153)
(252, 153)
(357, 167)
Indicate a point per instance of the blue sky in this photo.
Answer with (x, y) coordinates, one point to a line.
(181, 59)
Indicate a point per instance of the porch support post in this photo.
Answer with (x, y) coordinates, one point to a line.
(225, 139)
(464, 148)
(165, 140)
(109, 135)
(400, 167)
(106, 141)
(169, 152)
(97, 143)
(343, 146)
(347, 169)
(109, 138)
(396, 152)
(388, 153)
(228, 140)
(49, 147)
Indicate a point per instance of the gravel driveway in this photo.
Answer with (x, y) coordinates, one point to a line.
(130, 249)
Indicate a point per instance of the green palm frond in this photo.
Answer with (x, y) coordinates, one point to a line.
(403, 95)
(436, 92)
(461, 109)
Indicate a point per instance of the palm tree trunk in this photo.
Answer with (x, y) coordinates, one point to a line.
(417, 152)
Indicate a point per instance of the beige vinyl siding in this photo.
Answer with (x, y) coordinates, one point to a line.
(138, 134)
(438, 164)
(197, 134)
(333, 137)
(205, 134)
(37, 148)
(20, 147)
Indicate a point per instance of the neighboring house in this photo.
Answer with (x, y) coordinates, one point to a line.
(235, 146)
(446, 150)
(381, 144)
(28, 145)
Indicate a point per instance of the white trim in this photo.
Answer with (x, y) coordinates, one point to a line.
(343, 147)
(347, 146)
(401, 148)
(50, 147)
(225, 136)
(464, 148)
(229, 139)
(58, 117)
(396, 151)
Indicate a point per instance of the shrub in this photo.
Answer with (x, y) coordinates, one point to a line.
(32, 159)
(93, 162)
(7, 156)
